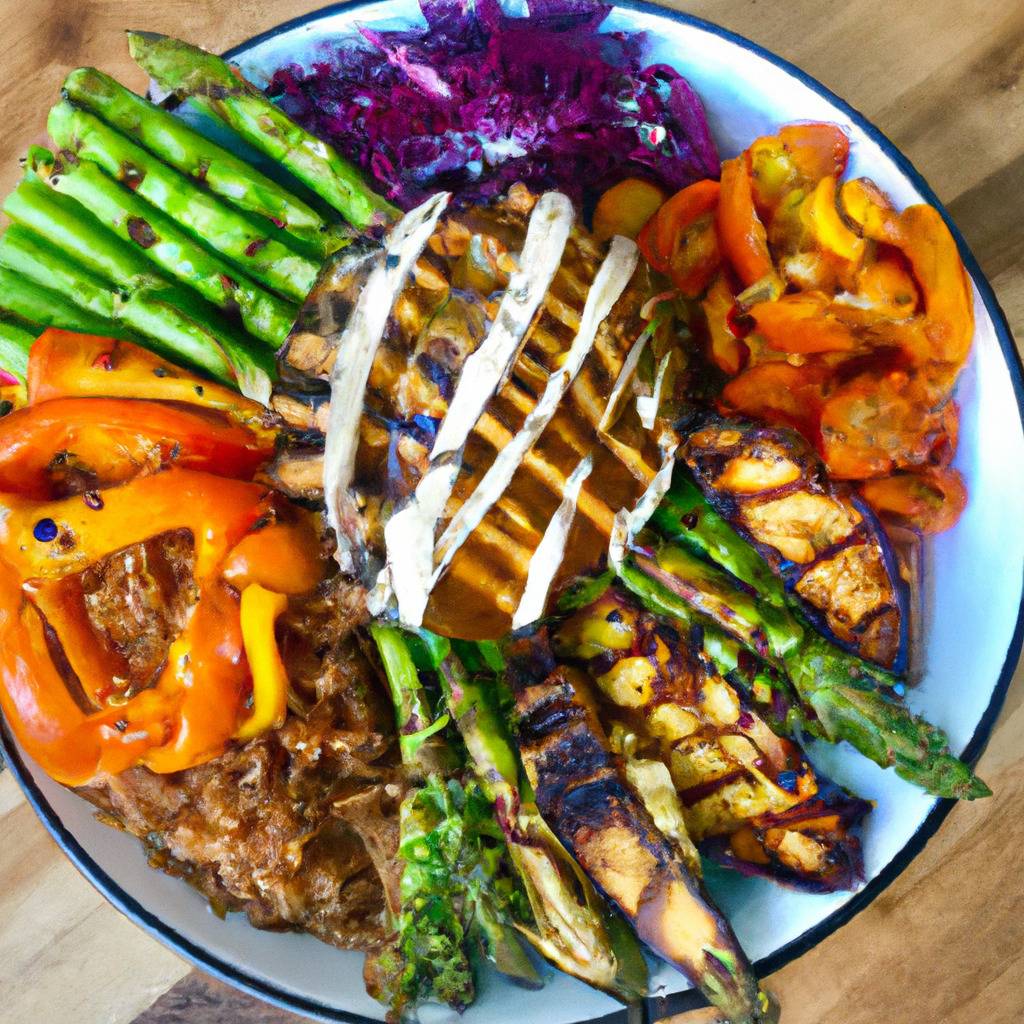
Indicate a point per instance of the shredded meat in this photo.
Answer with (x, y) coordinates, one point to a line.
(297, 827)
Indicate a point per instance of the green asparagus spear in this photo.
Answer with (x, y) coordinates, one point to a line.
(852, 700)
(29, 301)
(15, 343)
(171, 319)
(252, 247)
(572, 923)
(453, 851)
(185, 149)
(211, 83)
(173, 250)
(70, 228)
(27, 254)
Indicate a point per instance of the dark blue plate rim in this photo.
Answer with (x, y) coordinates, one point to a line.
(655, 1007)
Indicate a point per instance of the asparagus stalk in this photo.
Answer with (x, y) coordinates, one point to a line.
(15, 344)
(185, 149)
(452, 851)
(70, 228)
(573, 926)
(173, 250)
(211, 82)
(259, 251)
(29, 301)
(852, 700)
(172, 320)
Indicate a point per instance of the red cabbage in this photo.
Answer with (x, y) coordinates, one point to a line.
(480, 100)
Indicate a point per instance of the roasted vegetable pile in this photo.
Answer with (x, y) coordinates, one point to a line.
(540, 538)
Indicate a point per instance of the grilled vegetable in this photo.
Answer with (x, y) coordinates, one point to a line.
(258, 249)
(735, 776)
(31, 302)
(15, 341)
(212, 84)
(851, 699)
(103, 270)
(816, 535)
(185, 149)
(572, 927)
(582, 793)
(454, 882)
(158, 238)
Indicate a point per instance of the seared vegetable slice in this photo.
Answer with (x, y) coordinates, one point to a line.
(735, 776)
(815, 534)
(572, 927)
(851, 699)
(209, 81)
(15, 342)
(583, 795)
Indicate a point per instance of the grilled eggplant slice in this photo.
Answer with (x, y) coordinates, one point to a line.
(818, 536)
(583, 794)
(750, 797)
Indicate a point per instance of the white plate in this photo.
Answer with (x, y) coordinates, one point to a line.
(973, 639)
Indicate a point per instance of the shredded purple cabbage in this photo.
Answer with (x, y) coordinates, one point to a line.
(480, 100)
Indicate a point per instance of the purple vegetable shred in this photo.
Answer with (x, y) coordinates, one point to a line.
(480, 100)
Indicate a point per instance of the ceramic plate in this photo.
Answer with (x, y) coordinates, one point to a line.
(974, 589)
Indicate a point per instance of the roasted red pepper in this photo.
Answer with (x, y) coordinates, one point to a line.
(680, 239)
(105, 441)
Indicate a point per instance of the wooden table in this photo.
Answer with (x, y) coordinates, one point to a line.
(942, 78)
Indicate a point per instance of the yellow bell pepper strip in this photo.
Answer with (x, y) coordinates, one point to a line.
(725, 350)
(829, 228)
(260, 610)
(110, 440)
(64, 364)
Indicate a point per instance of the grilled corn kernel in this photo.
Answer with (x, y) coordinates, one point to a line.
(671, 722)
(629, 683)
(720, 702)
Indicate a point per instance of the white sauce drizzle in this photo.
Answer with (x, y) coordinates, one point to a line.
(484, 372)
(628, 523)
(609, 283)
(357, 347)
(647, 405)
(625, 378)
(551, 550)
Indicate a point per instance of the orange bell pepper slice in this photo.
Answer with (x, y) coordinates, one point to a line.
(780, 393)
(64, 364)
(284, 557)
(741, 235)
(800, 324)
(680, 240)
(626, 207)
(194, 709)
(818, 149)
(930, 499)
(113, 439)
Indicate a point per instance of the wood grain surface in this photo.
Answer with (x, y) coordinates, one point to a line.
(945, 943)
